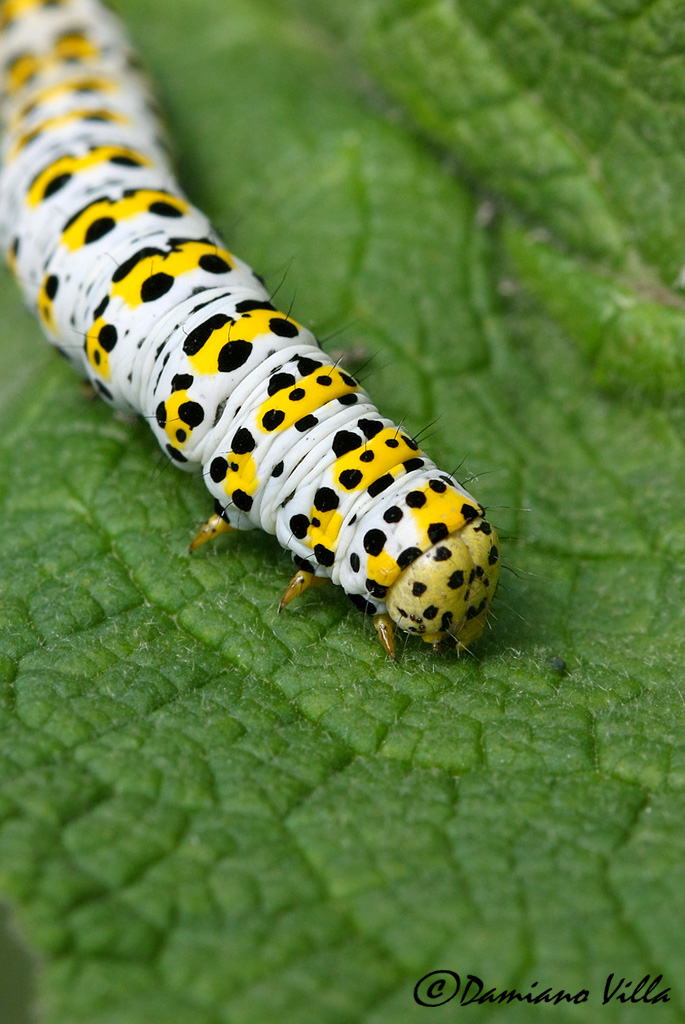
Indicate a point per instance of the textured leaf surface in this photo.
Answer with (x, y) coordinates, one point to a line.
(215, 815)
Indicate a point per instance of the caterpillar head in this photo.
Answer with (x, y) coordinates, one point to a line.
(448, 589)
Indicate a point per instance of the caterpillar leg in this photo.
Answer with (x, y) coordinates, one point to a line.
(385, 627)
(209, 530)
(301, 581)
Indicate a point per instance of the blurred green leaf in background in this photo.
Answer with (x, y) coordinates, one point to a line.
(210, 814)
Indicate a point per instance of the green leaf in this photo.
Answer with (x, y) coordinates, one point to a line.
(569, 113)
(213, 814)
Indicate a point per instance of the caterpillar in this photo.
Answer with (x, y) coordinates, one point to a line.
(136, 289)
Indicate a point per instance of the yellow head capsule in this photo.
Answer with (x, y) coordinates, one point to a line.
(448, 589)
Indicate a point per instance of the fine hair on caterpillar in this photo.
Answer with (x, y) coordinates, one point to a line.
(134, 286)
